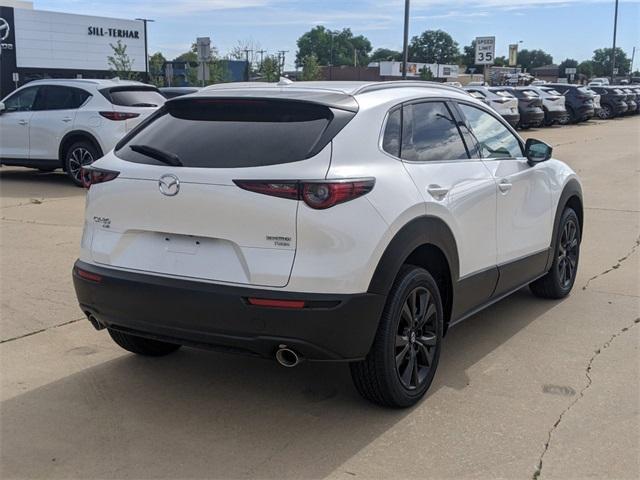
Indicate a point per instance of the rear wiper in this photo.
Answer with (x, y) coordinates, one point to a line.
(164, 157)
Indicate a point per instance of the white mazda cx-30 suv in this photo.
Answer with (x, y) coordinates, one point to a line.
(322, 221)
(50, 124)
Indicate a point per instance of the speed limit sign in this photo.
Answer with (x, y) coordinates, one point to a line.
(485, 50)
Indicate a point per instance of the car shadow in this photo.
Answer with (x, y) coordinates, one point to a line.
(198, 414)
(17, 182)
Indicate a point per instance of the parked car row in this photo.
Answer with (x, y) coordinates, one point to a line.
(557, 103)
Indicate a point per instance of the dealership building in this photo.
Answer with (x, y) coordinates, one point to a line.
(38, 44)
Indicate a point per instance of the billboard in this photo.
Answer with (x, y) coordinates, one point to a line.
(50, 40)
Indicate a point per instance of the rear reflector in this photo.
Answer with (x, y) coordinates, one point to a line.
(319, 195)
(117, 116)
(266, 302)
(89, 276)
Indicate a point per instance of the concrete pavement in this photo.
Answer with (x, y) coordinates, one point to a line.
(525, 389)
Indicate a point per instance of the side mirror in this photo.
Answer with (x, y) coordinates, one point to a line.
(2, 107)
(537, 151)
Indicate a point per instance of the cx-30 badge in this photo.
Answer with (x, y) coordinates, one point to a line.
(169, 185)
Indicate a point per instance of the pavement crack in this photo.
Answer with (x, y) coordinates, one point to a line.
(587, 373)
(615, 266)
(41, 330)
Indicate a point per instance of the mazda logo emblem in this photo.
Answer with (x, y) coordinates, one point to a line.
(4, 29)
(169, 185)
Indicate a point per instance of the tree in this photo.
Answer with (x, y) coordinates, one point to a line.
(529, 59)
(333, 47)
(586, 68)
(602, 62)
(501, 61)
(566, 63)
(426, 74)
(433, 46)
(120, 63)
(468, 56)
(311, 69)
(385, 55)
(270, 69)
(156, 73)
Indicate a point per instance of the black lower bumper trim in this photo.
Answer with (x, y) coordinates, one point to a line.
(332, 327)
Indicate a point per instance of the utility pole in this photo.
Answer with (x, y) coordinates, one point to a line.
(613, 53)
(261, 52)
(282, 59)
(146, 48)
(405, 44)
(633, 55)
(246, 56)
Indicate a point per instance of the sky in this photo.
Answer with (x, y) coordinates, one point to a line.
(563, 28)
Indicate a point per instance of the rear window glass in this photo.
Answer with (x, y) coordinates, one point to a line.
(232, 133)
(551, 91)
(530, 93)
(584, 90)
(476, 94)
(503, 93)
(134, 97)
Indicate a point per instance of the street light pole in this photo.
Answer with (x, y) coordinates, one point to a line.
(146, 48)
(613, 53)
(405, 45)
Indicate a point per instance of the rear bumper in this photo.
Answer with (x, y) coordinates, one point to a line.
(512, 118)
(531, 117)
(330, 327)
(553, 116)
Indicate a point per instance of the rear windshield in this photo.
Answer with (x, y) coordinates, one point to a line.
(530, 93)
(134, 96)
(232, 133)
(584, 90)
(503, 93)
(551, 91)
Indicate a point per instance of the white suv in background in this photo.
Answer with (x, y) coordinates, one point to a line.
(50, 124)
(322, 221)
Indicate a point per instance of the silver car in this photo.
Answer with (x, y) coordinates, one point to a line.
(502, 102)
(553, 104)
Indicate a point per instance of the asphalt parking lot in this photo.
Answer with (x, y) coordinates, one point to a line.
(525, 389)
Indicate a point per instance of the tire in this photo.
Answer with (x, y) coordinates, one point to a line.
(559, 280)
(77, 155)
(385, 376)
(572, 115)
(605, 112)
(142, 346)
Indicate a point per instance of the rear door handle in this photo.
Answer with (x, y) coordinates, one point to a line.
(437, 192)
(23, 122)
(67, 119)
(504, 186)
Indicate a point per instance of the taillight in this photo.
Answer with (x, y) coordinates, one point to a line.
(117, 116)
(91, 176)
(88, 275)
(319, 194)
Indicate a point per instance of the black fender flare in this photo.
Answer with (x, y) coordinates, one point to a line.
(424, 230)
(571, 189)
(78, 133)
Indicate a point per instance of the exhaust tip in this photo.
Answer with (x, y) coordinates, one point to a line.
(287, 357)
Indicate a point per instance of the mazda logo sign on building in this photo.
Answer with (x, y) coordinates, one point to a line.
(4, 29)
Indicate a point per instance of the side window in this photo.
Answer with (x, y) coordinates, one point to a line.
(494, 139)
(22, 101)
(392, 133)
(430, 133)
(52, 97)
